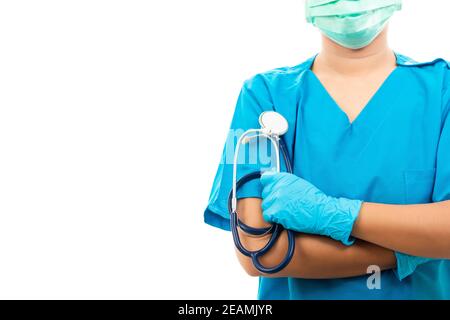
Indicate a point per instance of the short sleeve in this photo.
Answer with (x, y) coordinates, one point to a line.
(406, 264)
(254, 99)
(442, 184)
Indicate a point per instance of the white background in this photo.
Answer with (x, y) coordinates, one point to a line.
(113, 116)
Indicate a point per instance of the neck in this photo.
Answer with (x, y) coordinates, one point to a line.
(334, 58)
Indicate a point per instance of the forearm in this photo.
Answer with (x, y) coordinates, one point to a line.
(318, 257)
(419, 230)
(315, 257)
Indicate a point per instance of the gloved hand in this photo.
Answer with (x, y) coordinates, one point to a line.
(406, 264)
(299, 206)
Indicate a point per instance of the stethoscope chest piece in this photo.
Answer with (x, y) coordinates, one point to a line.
(273, 123)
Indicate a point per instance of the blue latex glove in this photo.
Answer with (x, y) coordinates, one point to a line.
(406, 264)
(299, 206)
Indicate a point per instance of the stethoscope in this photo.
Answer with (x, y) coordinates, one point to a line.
(273, 126)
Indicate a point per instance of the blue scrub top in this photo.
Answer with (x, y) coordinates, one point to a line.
(397, 151)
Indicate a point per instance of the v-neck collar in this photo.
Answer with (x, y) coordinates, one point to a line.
(371, 104)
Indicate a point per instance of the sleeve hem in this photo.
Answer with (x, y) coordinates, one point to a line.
(407, 265)
(215, 220)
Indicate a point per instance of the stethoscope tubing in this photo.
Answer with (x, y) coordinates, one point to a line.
(275, 230)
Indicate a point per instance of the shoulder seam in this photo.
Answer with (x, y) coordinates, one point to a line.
(299, 68)
(408, 62)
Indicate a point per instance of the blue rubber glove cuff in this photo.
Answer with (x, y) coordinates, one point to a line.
(406, 264)
(341, 227)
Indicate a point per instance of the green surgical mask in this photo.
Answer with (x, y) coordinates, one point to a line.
(353, 24)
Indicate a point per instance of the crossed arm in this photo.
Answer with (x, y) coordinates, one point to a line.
(420, 230)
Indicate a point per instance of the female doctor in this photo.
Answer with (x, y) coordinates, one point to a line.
(369, 136)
